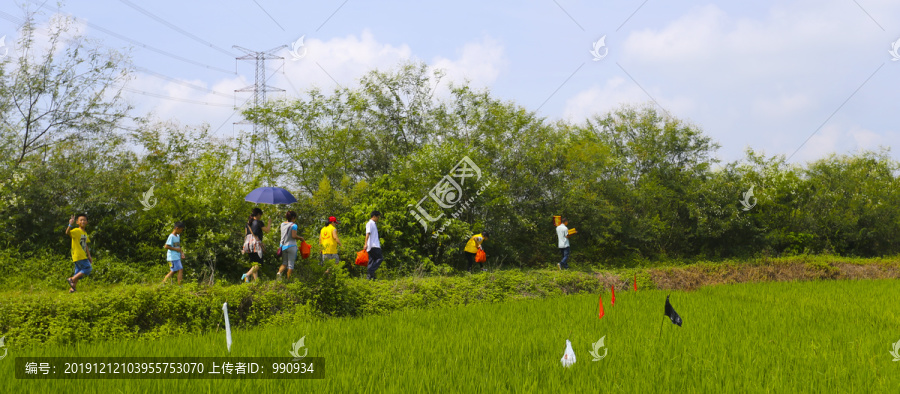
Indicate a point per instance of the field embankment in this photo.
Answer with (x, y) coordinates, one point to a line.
(154, 311)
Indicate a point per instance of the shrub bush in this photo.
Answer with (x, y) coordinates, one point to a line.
(141, 311)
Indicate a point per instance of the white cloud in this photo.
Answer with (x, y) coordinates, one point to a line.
(479, 62)
(866, 139)
(40, 44)
(689, 40)
(782, 106)
(345, 59)
(787, 40)
(766, 80)
(844, 139)
(349, 58)
(820, 145)
(188, 109)
(616, 92)
(601, 99)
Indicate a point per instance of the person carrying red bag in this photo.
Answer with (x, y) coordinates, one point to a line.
(473, 247)
(373, 245)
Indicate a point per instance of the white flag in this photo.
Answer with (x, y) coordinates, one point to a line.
(227, 326)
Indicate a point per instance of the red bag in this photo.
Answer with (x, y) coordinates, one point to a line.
(362, 258)
(305, 249)
(480, 256)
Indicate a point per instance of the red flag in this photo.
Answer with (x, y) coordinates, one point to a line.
(635, 282)
(600, 313)
(613, 295)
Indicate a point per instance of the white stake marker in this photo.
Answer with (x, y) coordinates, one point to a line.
(227, 326)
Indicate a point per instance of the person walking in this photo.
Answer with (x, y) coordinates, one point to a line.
(255, 226)
(562, 232)
(174, 253)
(81, 252)
(288, 246)
(329, 240)
(472, 248)
(373, 245)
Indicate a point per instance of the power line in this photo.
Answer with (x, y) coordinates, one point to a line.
(270, 15)
(178, 81)
(162, 96)
(144, 70)
(244, 103)
(11, 18)
(15, 19)
(140, 44)
(176, 28)
(232, 114)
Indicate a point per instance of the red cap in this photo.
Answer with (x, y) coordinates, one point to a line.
(332, 220)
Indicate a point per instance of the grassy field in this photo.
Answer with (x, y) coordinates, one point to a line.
(832, 336)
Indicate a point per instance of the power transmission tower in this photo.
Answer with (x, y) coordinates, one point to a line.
(258, 90)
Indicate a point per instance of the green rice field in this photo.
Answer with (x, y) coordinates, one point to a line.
(831, 336)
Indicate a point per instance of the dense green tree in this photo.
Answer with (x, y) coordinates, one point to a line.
(638, 184)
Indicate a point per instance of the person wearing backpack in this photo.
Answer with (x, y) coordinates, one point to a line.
(472, 248)
(255, 227)
(288, 245)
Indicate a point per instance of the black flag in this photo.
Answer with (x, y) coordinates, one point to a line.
(670, 312)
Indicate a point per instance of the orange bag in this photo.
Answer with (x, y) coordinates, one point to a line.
(305, 249)
(480, 256)
(362, 258)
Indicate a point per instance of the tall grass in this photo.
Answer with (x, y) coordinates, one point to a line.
(762, 337)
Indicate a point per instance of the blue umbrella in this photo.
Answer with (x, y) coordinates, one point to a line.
(270, 195)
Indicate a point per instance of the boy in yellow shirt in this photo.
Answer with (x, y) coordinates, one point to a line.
(81, 253)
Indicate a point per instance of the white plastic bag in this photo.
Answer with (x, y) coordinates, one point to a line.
(568, 357)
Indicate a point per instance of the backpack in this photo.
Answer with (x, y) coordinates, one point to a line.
(251, 244)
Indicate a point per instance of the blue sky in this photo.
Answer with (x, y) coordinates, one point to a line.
(765, 75)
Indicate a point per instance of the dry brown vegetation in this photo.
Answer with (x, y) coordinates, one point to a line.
(694, 277)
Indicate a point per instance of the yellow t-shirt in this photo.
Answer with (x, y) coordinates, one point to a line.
(80, 242)
(474, 243)
(327, 240)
